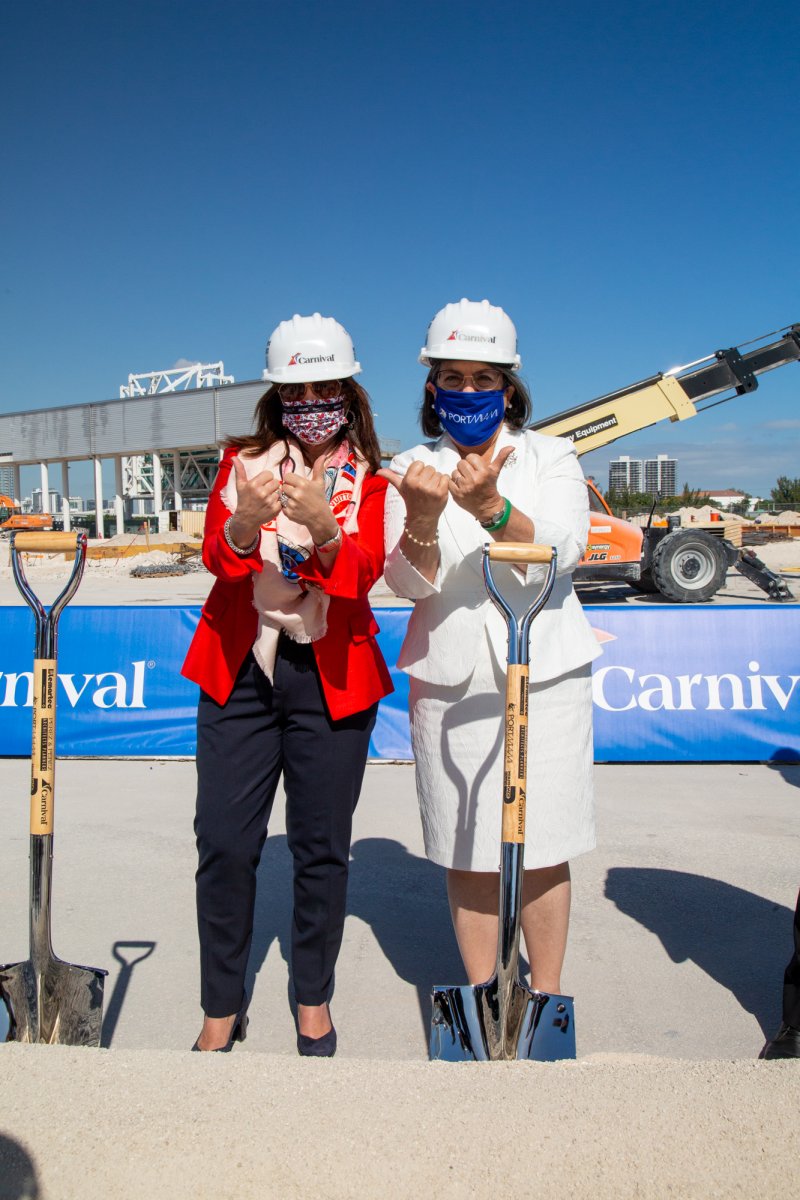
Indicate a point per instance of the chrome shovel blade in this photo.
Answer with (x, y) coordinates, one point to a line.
(59, 1004)
(470, 1024)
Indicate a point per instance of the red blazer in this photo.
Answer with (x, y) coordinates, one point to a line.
(351, 667)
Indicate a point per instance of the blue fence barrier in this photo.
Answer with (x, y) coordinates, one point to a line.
(674, 684)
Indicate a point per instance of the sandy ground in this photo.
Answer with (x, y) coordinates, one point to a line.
(253, 1128)
(681, 927)
(109, 581)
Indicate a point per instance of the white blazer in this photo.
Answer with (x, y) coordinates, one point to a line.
(446, 629)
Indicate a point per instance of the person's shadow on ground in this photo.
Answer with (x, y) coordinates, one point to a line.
(18, 1180)
(736, 937)
(403, 899)
(400, 896)
(786, 762)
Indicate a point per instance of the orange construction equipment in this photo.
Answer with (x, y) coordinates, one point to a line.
(684, 565)
(12, 519)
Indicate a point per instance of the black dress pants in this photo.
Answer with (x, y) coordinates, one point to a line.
(242, 747)
(791, 978)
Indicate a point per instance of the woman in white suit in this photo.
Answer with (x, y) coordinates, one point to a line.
(486, 476)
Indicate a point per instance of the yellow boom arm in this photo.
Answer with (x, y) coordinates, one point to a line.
(671, 397)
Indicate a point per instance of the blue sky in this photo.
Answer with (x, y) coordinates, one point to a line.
(621, 178)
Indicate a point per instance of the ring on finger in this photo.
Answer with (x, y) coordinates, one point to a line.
(284, 499)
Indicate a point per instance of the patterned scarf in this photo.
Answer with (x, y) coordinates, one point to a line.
(283, 601)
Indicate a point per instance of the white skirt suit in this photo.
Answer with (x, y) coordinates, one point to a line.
(455, 652)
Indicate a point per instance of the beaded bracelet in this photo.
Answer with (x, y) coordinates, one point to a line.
(417, 541)
(242, 552)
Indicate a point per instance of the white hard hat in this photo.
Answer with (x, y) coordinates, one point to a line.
(310, 349)
(473, 330)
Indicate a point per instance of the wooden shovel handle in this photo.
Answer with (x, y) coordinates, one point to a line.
(520, 552)
(45, 542)
(43, 756)
(515, 766)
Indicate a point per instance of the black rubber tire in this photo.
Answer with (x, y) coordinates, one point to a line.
(645, 583)
(689, 567)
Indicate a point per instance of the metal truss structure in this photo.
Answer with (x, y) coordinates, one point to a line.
(197, 471)
(197, 467)
(177, 379)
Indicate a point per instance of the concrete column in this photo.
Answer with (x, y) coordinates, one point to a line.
(65, 513)
(119, 503)
(98, 496)
(158, 498)
(176, 475)
(44, 468)
(17, 483)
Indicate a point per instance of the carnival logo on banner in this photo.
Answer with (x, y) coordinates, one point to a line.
(674, 683)
(619, 688)
(107, 689)
(696, 684)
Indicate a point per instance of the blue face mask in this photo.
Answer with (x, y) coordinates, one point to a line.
(470, 418)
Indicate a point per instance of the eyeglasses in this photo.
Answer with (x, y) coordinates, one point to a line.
(325, 389)
(485, 380)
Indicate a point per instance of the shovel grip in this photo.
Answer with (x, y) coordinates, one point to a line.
(520, 552)
(515, 766)
(44, 542)
(43, 754)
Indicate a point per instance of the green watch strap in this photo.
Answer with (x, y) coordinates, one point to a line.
(499, 520)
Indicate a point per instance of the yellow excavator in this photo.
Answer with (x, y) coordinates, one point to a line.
(686, 566)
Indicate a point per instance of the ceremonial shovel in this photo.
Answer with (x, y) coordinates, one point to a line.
(48, 1000)
(502, 1018)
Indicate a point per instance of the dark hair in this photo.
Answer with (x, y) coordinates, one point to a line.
(518, 413)
(269, 427)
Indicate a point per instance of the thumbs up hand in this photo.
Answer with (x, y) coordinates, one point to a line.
(306, 504)
(424, 490)
(257, 503)
(473, 484)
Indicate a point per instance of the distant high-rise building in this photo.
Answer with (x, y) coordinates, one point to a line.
(659, 475)
(54, 501)
(7, 481)
(625, 474)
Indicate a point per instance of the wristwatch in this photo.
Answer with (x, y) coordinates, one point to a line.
(330, 543)
(495, 518)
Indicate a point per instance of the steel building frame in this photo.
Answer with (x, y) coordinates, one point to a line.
(183, 431)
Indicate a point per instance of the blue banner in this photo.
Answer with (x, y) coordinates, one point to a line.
(120, 690)
(674, 684)
(706, 683)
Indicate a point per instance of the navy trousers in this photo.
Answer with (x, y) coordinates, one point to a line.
(243, 746)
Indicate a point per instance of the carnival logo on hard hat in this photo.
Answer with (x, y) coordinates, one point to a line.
(458, 336)
(300, 360)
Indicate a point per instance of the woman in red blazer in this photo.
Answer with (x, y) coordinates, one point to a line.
(289, 669)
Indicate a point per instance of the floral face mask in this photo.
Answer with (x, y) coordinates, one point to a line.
(316, 422)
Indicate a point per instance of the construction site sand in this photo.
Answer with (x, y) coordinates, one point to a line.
(109, 580)
(122, 1124)
(136, 1125)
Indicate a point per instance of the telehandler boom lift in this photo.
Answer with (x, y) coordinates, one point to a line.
(685, 565)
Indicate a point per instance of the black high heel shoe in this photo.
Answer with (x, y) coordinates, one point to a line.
(238, 1032)
(321, 1047)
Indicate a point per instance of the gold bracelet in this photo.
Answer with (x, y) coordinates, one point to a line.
(417, 541)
